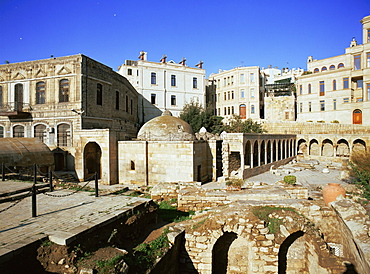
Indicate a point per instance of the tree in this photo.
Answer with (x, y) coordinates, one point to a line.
(360, 167)
(237, 125)
(197, 117)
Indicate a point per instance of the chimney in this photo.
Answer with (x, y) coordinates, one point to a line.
(163, 60)
(200, 64)
(143, 56)
(182, 62)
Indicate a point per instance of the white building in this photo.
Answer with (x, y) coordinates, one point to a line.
(337, 89)
(164, 85)
(238, 91)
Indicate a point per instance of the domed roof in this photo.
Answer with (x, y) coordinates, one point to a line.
(166, 128)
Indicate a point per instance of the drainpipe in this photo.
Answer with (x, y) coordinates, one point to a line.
(165, 91)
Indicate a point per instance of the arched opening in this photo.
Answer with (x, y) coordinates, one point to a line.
(283, 145)
(278, 150)
(18, 131)
(268, 160)
(283, 251)
(342, 148)
(220, 252)
(358, 146)
(247, 154)
(302, 147)
(92, 160)
(40, 132)
(314, 147)
(255, 154)
(262, 152)
(243, 111)
(274, 149)
(357, 117)
(327, 148)
(64, 135)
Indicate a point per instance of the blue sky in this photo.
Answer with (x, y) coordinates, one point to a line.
(223, 33)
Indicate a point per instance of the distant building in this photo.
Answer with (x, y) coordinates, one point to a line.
(337, 89)
(164, 85)
(237, 91)
(77, 106)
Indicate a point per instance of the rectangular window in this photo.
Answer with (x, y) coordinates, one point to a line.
(345, 83)
(1, 132)
(357, 62)
(173, 100)
(228, 95)
(224, 96)
(173, 80)
(300, 89)
(1, 96)
(242, 93)
(252, 77)
(309, 107)
(153, 98)
(195, 82)
(228, 111)
(252, 109)
(129, 71)
(286, 115)
(360, 83)
(40, 93)
(322, 88)
(232, 110)
(301, 107)
(99, 94)
(117, 99)
(131, 106)
(232, 80)
(368, 60)
(309, 88)
(224, 81)
(126, 103)
(346, 100)
(232, 94)
(334, 85)
(224, 110)
(219, 111)
(64, 90)
(242, 78)
(322, 105)
(368, 91)
(334, 104)
(368, 35)
(153, 79)
(228, 81)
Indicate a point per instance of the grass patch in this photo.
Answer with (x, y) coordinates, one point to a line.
(199, 224)
(169, 213)
(107, 266)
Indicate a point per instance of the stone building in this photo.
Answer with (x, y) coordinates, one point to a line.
(77, 106)
(337, 89)
(164, 85)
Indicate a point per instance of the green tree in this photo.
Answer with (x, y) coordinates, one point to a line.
(360, 167)
(197, 117)
(237, 125)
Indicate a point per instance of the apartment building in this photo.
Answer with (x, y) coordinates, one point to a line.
(77, 106)
(337, 89)
(164, 85)
(238, 91)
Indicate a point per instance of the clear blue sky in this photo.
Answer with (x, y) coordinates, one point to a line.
(223, 33)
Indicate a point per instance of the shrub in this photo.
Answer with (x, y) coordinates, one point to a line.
(321, 121)
(360, 169)
(235, 182)
(335, 122)
(290, 179)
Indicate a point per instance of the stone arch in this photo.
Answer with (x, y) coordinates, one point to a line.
(92, 160)
(220, 252)
(302, 147)
(262, 153)
(327, 148)
(283, 251)
(64, 134)
(255, 154)
(358, 146)
(39, 131)
(247, 154)
(342, 148)
(314, 147)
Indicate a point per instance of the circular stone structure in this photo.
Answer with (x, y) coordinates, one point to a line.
(166, 128)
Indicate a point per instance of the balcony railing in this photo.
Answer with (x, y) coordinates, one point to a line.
(15, 109)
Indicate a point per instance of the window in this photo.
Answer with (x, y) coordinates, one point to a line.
(359, 83)
(64, 90)
(117, 99)
(341, 65)
(232, 80)
(300, 107)
(224, 81)
(232, 110)
(63, 137)
(173, 80)
(252, 108)
(357, 62)
(173, 100)
(345, 83)
(99, 94)
(252, 92)
(153, 78)
(224, 96)
(195, 82)
(309, 88)
(132, 165)
(252, 77)
(228, 80)
(322, 88)
(286, 115)
(39, 132)
(1, 132)
(346, 100)
(232, 94)
(334, 84)
(228, 111)
(40, 93)
(218, 97)
(368, 35)
(368, 91)
(18, 131)
(368, 60)
(129, 71)
(242, 93)
(316, 70)
(1, 96)
(322, 105)
(126, 103)
(224, 110)
(153, 98)
(242, 78)
(219, 111)
(332, 67)
(309, 107)
(131, 106)
(324, 69)
(300, 89)
(334, 104)
(18, 97)
(228, 95)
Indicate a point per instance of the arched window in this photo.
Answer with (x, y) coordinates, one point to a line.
(64, 90)
(341, 65)
(18, 131)
(324, 69)
(1, 132)
(99, 94)
(334, 84)
(332, 67)
(316, 70)
(39, 132)
(243, 111)
(40, 93)
(64, 135)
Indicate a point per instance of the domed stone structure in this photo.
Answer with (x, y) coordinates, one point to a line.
(166, 128)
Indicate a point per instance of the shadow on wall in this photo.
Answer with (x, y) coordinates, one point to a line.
(147, 110)
(220, 252)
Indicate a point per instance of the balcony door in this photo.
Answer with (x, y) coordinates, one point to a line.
(18, 97)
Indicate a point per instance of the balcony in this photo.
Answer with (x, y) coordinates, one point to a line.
(15, 110)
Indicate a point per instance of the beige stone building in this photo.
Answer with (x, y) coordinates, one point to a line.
(337, 89)
(77, 106)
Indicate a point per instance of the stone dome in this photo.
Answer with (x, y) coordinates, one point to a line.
(166, 128)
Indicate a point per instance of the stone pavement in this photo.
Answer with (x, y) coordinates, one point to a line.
(69, 214)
